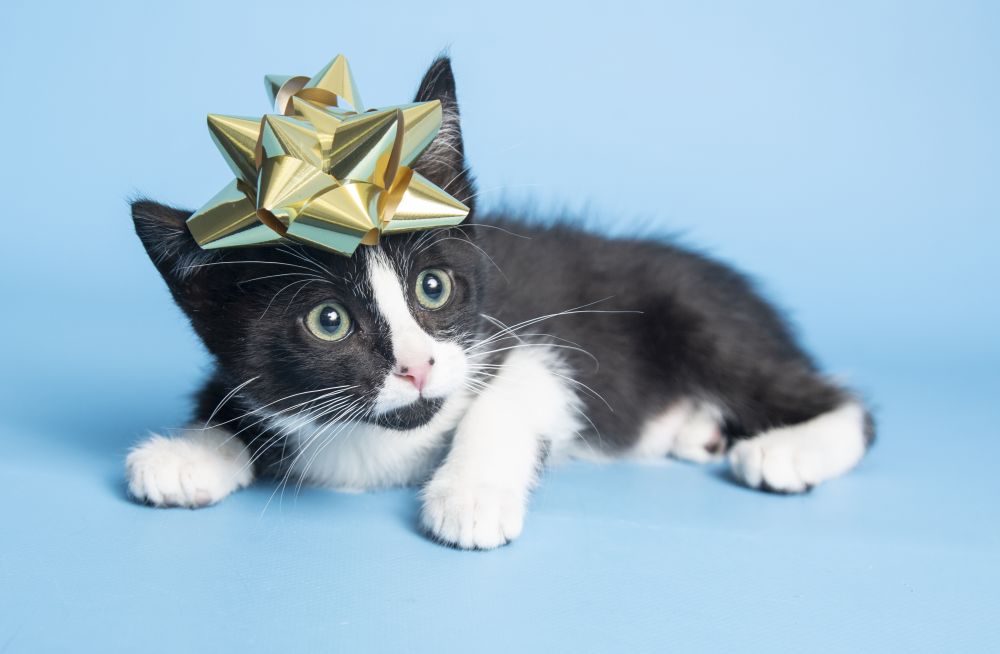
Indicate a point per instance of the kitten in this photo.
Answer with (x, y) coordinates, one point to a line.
(462, 360)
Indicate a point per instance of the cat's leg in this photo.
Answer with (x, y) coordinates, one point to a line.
(829, 434)
(477, 497)
(686, 430)
(195, 468)
(700, 438)
(794, 458)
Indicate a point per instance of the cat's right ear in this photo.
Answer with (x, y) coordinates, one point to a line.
(173, 250)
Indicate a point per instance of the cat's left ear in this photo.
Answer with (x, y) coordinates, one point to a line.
(443, 162)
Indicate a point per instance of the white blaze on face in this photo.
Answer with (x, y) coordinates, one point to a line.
(423, 366)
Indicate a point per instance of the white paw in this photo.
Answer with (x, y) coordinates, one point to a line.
(768, 465)
(796, 458)
(687, 430)
(197, 468)
(472, 516)
(700, 438)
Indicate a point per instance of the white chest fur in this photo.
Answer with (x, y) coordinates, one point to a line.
(354, 456)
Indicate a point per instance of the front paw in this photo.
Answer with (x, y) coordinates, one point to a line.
(196, 469)
(472, 515)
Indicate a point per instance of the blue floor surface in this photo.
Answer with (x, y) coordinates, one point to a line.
(901, 555)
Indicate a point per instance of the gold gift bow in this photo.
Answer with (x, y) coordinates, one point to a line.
(322, 175)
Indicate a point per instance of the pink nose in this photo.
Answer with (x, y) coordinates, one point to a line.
(415, 373)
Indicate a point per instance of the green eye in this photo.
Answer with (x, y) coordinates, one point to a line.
(329, 321)
(433, 288)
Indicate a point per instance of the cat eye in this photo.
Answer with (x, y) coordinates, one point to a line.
(329, 321)
(434, 287)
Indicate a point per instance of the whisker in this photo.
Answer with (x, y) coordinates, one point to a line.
(302, 255)
(464, 169)
(584, 308)
(515, 347)
(504, 187)
(225, 399)
(291, 274)
(467, 241)
(280, 291)
(317, 432)
(340, 389)
(297, 422)
(245, 261)
(541, 335)
(496, 227)
(328, 389)
(585, 387)
(300, 451)
(299, 290)
(346, 421)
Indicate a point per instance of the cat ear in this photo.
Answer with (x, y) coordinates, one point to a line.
(443, 162)
(164, 233)
(186, 268)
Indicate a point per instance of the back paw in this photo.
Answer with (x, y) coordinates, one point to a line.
(687, 430)
(793, 459)
(700, 438)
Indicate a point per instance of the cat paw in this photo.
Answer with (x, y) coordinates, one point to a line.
(472, 516)
(699, 439)
(770, 466)
(195, 469)
(793, 459)
(686, 430)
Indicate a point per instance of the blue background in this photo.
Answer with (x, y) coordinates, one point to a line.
(844, 153)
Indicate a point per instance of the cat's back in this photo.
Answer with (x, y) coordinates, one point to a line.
(560, 261)
(540, 269)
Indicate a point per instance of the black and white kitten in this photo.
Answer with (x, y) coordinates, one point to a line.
(462, 360)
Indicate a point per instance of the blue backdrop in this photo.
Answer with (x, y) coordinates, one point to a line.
(846, 154)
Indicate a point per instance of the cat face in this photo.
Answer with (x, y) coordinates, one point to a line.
(386, 329)
(377, 337)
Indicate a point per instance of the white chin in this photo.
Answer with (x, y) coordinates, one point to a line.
(399, 394)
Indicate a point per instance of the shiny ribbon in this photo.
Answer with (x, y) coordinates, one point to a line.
(320, 174)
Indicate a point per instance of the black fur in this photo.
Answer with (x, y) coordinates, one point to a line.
(661, 323)
(701, 330)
